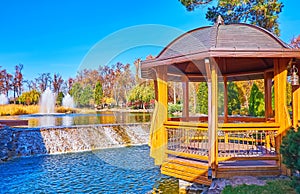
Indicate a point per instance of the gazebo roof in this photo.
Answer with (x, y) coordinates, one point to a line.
(234, 36)
(235, 42)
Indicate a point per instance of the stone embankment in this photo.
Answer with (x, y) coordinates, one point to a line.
(17, 142)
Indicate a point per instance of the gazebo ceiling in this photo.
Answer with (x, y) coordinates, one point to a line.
(237, 49)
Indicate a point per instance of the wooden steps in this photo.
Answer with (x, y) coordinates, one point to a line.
(194, 170)
(248, 168)
(185, 169)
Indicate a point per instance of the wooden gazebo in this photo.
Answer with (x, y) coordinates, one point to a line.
(199, 148)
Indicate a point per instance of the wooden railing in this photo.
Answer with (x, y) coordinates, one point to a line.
(235, 140)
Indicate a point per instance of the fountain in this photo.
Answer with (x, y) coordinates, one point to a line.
(47, 102)
(68, 101)
(3, 99)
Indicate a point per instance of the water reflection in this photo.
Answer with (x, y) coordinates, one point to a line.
(46, 121)
(67, 120)
(107, 117)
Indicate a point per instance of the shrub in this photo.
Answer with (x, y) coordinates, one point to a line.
(290, 150)
(172, 108)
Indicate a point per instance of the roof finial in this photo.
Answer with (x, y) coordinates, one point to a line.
(220, 20)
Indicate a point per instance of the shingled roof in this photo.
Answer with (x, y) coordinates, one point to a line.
(234, 36)
(233, 42)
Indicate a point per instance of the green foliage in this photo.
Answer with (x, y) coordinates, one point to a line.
(82, 96)
(141, 95)
(290, 150)
(98, 94)
(192, 4)
(87, 96)
(202, 98)
(276, 186)
(76, 92)
(256, 102)
(263, 13)
(234, 103)
(59, 98)
(221, 98)
(29, 98)
(172, 108)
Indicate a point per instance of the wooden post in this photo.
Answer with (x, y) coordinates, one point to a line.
(185, 89)
(268, 94)
(212, 115)
(296, 104)
(158, 132)
(225, 100)
(280, 81)
(282, 116)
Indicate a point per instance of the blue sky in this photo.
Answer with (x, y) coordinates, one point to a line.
(59, 36)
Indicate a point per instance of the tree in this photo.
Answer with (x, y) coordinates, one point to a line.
(87, 96)
(141, 95)
(202, 98)
(263, 13)
(6, 81)
(31, 97)
(192, 4)
(59, 98)
(256, 103)
(295, 42)
(76, 92)
(98, 94)
(17, 81)
(123, 83)
(57, 83)
(234, 103)
(88, 77)
(43, 81)
(82, 95)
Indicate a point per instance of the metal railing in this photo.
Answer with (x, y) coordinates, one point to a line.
(234, 140)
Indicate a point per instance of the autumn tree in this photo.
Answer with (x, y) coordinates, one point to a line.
(68, 85)
(88, 77)
(57, 83)
(123, 83)
(141, 95)
(43, 81)
(295, 42)
(6, 81)
(18, 80)
(30, 97)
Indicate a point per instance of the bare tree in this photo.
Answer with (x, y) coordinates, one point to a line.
(44, 81)
(57, 83)
(18, 80)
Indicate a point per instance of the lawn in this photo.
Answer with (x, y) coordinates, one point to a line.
(272, 187)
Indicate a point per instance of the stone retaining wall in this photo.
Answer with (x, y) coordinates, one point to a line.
(17, 142)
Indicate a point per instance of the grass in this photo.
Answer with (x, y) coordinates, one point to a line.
(276, 186)
(17, 109)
